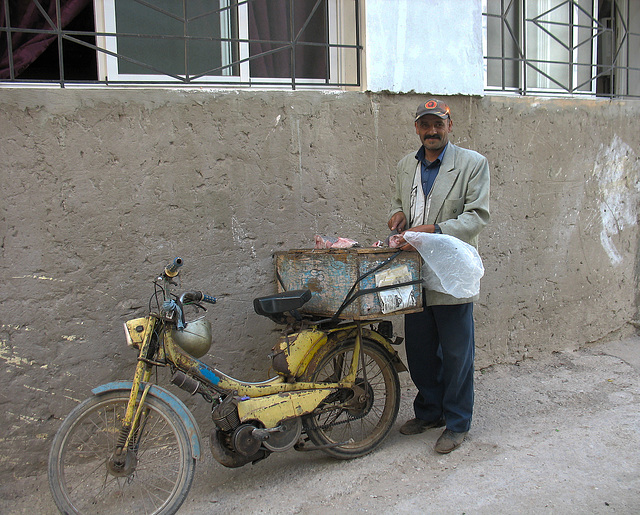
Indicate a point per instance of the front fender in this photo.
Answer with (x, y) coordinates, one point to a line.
(170, 400)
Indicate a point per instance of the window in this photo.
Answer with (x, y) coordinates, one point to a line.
(290, 43)
(576, 47)
(164, 39)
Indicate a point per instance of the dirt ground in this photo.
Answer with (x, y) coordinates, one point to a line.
(558, 434)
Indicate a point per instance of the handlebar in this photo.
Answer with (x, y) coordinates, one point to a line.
(171, 270)
(209, 299)
(175, 307)
(197, 296)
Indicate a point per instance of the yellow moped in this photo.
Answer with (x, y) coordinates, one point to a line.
(132, 446)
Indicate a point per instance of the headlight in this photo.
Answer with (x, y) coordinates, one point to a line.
(128, 336)
(134, 331)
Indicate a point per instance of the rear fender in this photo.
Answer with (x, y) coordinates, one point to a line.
(170, 400)
(377, 337)
(339, 334)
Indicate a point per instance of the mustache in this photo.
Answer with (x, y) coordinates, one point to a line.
(432, 137)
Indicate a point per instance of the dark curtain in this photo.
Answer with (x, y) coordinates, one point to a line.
(24, 14)
(270, 20)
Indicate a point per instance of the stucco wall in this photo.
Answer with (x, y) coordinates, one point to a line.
(102, 188)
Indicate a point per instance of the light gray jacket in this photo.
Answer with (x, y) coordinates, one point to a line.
(459, 200)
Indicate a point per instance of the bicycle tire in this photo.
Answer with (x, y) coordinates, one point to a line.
(163, 463)
(366, 424)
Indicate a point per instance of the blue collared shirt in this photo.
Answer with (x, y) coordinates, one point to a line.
(429, 169)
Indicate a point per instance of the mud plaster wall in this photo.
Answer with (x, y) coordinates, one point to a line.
(103, 188)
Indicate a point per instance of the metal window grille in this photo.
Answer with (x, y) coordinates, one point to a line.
(82, 50)
(563, 47)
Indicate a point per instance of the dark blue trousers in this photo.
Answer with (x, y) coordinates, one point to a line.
(440, 352)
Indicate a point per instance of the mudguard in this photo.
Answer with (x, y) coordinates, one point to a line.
(338, 335)
(170, 400)
(377, 337)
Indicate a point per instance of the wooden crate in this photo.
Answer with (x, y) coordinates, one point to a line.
(330, 274)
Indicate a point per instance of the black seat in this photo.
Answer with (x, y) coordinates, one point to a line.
(281, 302)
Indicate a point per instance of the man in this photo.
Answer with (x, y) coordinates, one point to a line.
(441, 189)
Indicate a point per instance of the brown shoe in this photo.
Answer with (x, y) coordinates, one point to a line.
(449, 440)
(416, 426)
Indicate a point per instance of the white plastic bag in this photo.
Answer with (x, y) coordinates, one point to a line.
(451, 265)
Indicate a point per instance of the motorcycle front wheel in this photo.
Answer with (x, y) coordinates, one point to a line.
(359, 419)
(158, 469)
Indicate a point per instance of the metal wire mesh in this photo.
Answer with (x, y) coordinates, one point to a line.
(558, 47)
(279, 43)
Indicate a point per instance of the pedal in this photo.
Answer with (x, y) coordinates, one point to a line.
(261, 434)
(302, 448)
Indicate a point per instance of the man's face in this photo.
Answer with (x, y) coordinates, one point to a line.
(433, 131)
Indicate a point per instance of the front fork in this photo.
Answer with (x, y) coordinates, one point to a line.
(131, 422)
(133, 414)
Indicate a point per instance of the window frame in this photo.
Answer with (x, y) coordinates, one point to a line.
(515, 58)
(338, 23)
(344, 50)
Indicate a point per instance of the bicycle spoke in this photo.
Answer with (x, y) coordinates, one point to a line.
(153, 474)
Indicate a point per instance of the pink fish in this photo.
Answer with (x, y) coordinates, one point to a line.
(394, 241)
(334, 243)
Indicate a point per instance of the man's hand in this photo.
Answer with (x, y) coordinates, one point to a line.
(397, 222)
(399, 241)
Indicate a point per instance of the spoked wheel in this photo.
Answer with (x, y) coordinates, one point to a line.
(154, 477)
(360, 418)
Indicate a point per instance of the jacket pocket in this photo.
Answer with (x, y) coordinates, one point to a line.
(452, 208)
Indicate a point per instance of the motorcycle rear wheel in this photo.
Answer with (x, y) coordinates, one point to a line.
(159, 468)
(365, 422)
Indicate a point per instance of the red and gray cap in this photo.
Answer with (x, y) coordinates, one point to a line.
(433, 106)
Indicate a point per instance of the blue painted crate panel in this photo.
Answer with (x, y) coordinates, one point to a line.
(330, 274)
